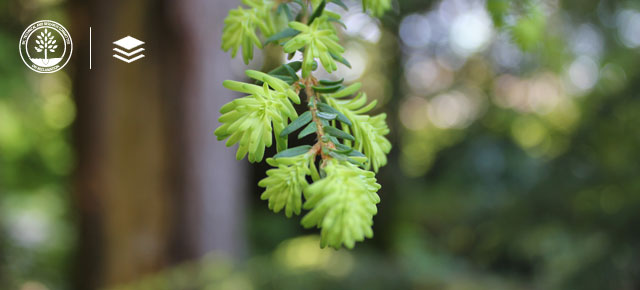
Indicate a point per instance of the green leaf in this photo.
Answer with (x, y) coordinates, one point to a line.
(342, 204)
(295, 65)
(284, 71)
(297, 123)
(327, 90)
(340, 116)
(291, 71)
(251, 128)
(331, 83)
(367, 108)
(348, 91)
(337, 155)
(344, 157)
(287, 11)
(343, 148)
(317, 41)
(282, 142)
(295, 151)
(340, 3)
(318, 11)
(286, 79)
(356, 153)
(242, 87)
(333, 140)
(284, 184)
(352, 161)
(315, 175)
(286, 33)
(345, 151)
(338, 133)
(310, 129)
(369, 131)
(336, 20)
(327, 116)
(273, 82)
(340, 59)
(240, 31)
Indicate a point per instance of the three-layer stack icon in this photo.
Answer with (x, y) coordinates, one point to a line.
(128, 49)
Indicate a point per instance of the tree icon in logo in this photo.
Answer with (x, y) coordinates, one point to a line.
(46, 43)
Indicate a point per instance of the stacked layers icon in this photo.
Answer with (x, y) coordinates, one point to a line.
(128, 49)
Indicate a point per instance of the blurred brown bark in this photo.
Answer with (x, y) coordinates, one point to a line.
(153, 187)
(222, 212)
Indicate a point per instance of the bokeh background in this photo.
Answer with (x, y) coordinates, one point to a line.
(515, 165)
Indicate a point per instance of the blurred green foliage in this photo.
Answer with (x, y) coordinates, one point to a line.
(517, 161)
(36, 110)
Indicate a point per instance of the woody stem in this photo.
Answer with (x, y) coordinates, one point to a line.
(313, 99)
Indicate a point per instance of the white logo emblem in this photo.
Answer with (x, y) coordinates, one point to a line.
(45, 46)
(130, 53)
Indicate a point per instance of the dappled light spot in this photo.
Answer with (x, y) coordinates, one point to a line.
(303, 253)
(539, 94)
(470, 32)
(415, 31)
(628, 22)
(528, 132)
(504, 53)
(363, 26)
(33, 285)
(426, 76)
(413, 113)
(452, 110)
(583, 74)
(587, 40)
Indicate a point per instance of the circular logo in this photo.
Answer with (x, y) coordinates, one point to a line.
(45, 46)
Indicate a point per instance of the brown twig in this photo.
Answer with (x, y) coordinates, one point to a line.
(313, 99)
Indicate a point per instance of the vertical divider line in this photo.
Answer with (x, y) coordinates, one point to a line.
(89, 47)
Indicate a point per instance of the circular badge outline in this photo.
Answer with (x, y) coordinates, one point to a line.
(70, 48)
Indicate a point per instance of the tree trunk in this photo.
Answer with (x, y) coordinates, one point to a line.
(215, 202)
(153, 186)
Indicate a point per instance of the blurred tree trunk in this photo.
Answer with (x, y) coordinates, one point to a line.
(153, 186)
(221, 213)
